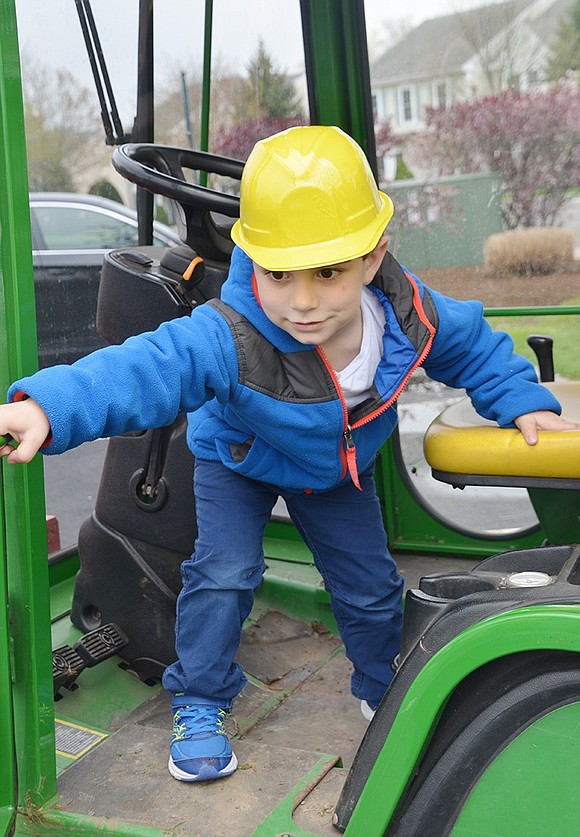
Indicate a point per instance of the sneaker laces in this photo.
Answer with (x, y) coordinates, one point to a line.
(189, 721)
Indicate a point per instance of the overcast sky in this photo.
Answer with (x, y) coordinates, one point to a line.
(51, 32)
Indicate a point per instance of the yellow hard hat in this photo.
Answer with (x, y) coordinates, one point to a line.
(308, 198)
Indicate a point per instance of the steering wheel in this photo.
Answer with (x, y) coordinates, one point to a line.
(160, 169)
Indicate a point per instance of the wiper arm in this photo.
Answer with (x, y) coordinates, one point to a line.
(114, 133)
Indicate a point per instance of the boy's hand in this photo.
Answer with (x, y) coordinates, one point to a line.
(530, 423)
(28, 424)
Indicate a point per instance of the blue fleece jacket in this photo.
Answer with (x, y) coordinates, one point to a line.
(270, 407)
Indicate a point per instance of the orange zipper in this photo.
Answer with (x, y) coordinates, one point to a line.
(432, 331)
(348, 448)
(370, 416)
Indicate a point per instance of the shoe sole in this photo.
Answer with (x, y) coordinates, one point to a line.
(367, 713)
(209, 774)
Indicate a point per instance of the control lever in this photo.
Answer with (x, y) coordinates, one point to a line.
(542, 345)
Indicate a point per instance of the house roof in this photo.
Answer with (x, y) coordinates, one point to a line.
(442, 45)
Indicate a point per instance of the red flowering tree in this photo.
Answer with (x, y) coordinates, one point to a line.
(384, 138)
(530, 139)
(239, 141)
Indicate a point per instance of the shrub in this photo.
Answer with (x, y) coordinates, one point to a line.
(105, 189)
(533, 250)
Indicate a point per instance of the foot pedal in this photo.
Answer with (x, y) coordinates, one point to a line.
(100, 644)
(66, 667)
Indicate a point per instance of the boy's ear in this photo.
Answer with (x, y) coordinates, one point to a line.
(374, 259)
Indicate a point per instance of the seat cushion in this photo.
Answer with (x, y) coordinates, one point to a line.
(460, 441)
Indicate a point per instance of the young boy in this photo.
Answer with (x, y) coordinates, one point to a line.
(289, 382)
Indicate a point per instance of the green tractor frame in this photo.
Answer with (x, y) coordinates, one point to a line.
(479, 732)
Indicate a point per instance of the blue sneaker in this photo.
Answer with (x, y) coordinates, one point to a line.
(200, 747)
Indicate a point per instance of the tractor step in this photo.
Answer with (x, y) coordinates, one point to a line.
(66, 667)
(90, 650)
(100, 644)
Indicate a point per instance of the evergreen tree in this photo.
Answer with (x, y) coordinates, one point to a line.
(267, 93)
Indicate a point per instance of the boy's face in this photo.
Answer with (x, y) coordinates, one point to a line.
(320, 304)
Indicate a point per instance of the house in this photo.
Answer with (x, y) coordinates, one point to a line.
(464, 56)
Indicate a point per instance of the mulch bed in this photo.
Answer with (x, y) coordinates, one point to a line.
(478, 282)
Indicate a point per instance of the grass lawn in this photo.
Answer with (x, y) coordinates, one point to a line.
(564, 329)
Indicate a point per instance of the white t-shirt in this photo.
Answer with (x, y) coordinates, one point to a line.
(357, 378)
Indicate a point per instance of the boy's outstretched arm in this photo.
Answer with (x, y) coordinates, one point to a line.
(530, 423)
(28, 424)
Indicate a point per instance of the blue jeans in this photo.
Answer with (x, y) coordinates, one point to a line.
(343, 529)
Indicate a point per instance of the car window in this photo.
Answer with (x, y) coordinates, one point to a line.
(83, 228)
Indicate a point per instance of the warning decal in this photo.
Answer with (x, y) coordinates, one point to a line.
(73, 741)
